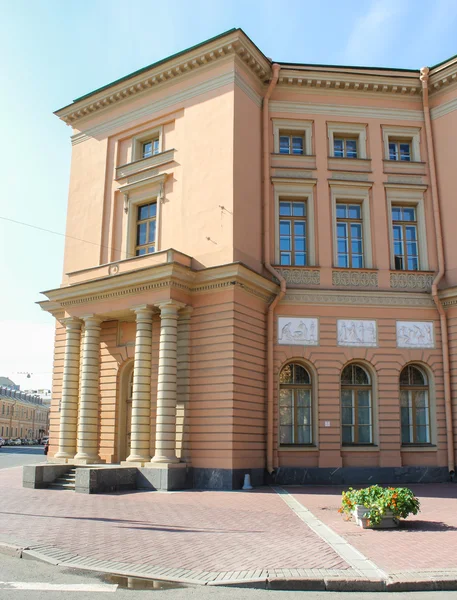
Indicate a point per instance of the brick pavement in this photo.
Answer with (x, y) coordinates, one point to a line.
(226, 536)
(425, 542)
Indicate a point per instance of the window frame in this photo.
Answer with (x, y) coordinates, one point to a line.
(147, 222)
(399, 135)
(407, 197)
(144, 137)
(355, 193)
(312, 390)
(353, 387)
(348, 223)
(305, 193)
(345, 139)
(357, 131)
(290, 135)
(413, 389)
(293, 219)
(304, 128)
(402, 224)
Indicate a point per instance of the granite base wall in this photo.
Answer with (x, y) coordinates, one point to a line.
(102, 481)
(226, 479)
(360, 475)
(41, 476)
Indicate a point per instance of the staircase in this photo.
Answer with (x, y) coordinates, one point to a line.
(66, 482)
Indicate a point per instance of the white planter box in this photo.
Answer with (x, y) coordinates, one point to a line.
(388, 520)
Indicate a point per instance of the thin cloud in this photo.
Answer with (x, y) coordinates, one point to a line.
(373, 32)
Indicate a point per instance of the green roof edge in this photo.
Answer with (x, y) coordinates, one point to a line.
(156, 64)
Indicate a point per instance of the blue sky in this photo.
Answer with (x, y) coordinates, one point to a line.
(54, 51)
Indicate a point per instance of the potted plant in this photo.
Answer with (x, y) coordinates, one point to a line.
(376, 507)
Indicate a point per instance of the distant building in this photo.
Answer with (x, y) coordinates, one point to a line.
(7, 382)
(272, 280)
(22, 415)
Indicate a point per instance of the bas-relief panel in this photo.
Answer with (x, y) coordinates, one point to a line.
(415, 334)
(297, 331)
(356, 332)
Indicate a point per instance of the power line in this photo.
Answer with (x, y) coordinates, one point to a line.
(72, 237)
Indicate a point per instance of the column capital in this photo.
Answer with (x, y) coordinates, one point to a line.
(92, 321)
(170, 306)
(72, 322)
(186, 312)
(143, 312)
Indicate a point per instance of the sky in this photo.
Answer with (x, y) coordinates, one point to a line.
(53, 51)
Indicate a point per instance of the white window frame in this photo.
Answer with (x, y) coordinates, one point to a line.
(304, 128)
(141, 138)
(135, 194)
(297, 191)
(358, 193)
(402, 134)
(349, 130)
(415, 198)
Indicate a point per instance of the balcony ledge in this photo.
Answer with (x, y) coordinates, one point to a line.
(145, 164)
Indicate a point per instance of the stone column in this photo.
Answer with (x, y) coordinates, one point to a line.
(183, 383)
(141, 398)
(70, 390)
(165, 447)
(90, 393)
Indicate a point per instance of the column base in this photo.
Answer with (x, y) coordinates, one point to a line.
(134, 463)
(161, 459)
(64, 455)
(60, 460)
(88, 460)
(165, 476)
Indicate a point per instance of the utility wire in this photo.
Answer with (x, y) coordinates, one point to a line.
(72, 237)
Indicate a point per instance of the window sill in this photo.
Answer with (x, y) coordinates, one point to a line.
(419, 448)
(298, 448)
(404, 166)
(293, 161)
(145, 164)
(360, 448)
(344, 163)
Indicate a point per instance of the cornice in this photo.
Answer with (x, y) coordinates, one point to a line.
(341, 110)
(443, 77)
(375, 298)
(235, 44)
(443, 109)
(353, 81)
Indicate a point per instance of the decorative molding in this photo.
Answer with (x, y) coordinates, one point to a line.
(143, 179)
(350, 176)
(405, 179)
(291, 173)
(355, 278)
(338, 110)
(339, 163)
(248, 90)
(234, 45)
(415, 334)
(296, 331)
(443, 109)
(301, 276)
(357, 333)
(411, 281)
(407, 299)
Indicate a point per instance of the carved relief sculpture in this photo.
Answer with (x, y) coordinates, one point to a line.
(415, 334)
(298, 331)
(356, 333)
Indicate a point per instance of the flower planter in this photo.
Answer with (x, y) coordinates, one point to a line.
(388, 520)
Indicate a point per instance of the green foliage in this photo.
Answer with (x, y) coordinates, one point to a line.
(378, 500)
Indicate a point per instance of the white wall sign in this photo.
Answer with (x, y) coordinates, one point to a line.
(356, 332)
(298, 331)
(415, 334)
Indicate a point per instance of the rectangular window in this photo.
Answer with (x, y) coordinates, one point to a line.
(415, 418)
(291, 143)
(292, 233)
(295, 416)
(356, 416)
(349, 235)
(404, 231)
(150, 148)
(399, 150)
(344, 147)
(146, 229)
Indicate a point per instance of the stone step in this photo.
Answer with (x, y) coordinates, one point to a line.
(62, 486)
(65, 479)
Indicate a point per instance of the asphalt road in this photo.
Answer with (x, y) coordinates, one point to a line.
(16, 456)
(31, 580)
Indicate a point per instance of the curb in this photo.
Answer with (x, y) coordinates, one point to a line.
(67, 560)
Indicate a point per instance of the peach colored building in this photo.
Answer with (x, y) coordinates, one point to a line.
(260, 272)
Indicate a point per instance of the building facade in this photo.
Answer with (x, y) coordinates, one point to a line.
(260, 274)
(22, 415)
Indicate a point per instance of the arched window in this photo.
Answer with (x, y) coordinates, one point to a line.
(295, 406)
(415, 406)
(356, 405)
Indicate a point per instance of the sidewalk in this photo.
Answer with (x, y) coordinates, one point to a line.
(280, 538)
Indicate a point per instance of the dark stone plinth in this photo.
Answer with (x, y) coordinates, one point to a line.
(167, 477)
(226, 479)
(99, 480)
(41, 476)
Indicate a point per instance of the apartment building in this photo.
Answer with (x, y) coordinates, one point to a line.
(260, 273)
(22, 415)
